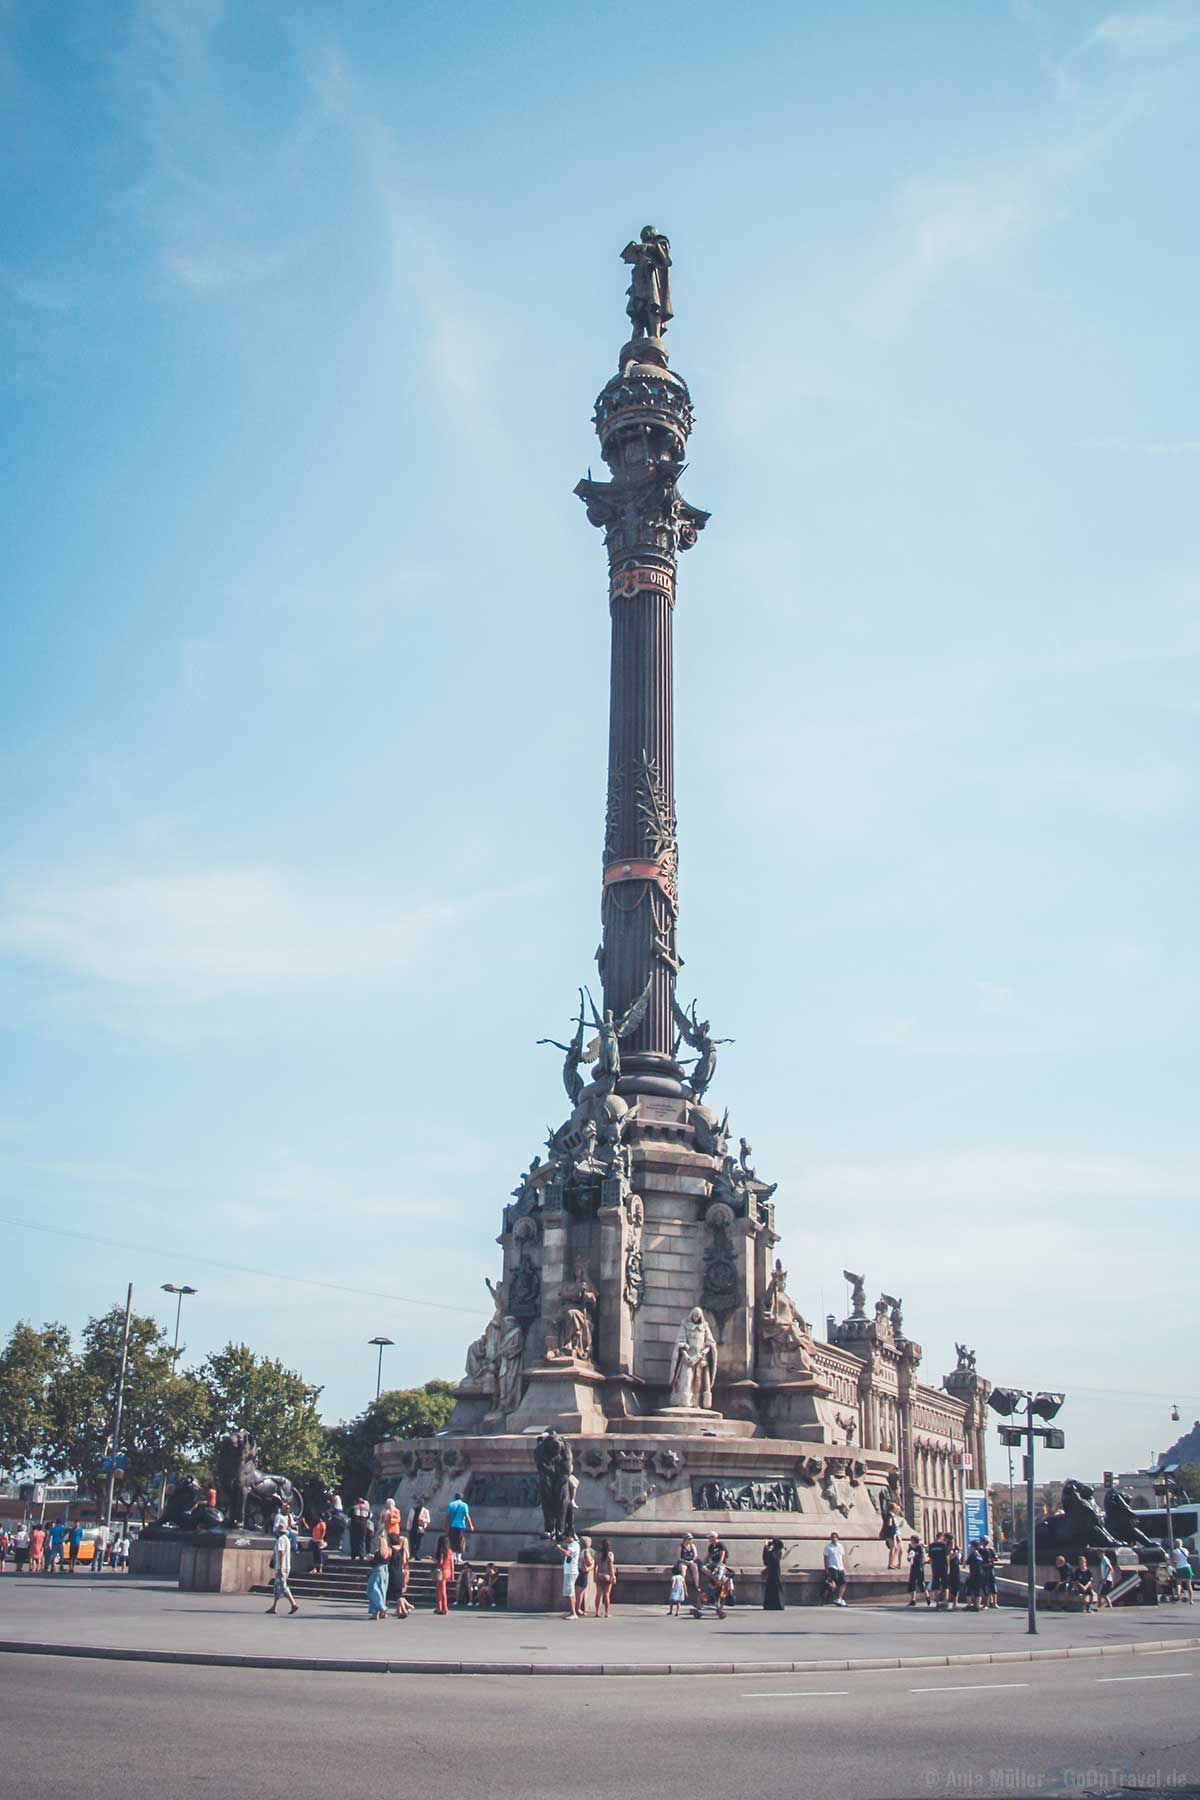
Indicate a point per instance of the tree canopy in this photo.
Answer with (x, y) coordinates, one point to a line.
(398, 1413)
(29, 1365)
(276, 1406)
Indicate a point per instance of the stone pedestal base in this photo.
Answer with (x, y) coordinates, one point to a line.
(643, 1488)
(563, 1394)
(219, 1563)
(535, 1587)
(689, 1421)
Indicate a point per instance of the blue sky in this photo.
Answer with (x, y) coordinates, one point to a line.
(302, 312)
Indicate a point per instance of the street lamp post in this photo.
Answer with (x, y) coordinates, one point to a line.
(384, 1343)
(1007, 1401)
(168, 1287)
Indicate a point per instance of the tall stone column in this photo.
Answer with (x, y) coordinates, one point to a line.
(643, 419)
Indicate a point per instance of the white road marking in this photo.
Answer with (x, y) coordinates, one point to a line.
(971, 1687)
(800, 1694)
(1175, 1675)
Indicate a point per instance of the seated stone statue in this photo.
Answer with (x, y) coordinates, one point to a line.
(573, 1335)
(783, 1330)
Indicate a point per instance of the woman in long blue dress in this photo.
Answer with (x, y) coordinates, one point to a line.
(377, 1581)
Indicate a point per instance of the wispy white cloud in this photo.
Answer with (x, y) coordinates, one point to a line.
(955, 223)
(1142, 28)
(201, 935)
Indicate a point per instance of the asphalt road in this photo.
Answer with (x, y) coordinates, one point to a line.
(151, 1732)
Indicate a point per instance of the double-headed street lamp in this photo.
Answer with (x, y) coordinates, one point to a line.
(384, 1343)
(169, 1287)
(1007, 1401)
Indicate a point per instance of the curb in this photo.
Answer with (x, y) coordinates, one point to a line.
(824, 1666)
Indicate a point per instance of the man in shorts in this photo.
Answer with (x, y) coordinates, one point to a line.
(835, 1569)
(281, 1568)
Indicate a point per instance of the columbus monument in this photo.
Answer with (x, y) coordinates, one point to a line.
(642, 1310)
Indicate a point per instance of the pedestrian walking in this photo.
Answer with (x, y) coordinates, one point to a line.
(916, 1571)
(677, 1592)
(418, 1525)
(443, 1574)
(773, 1597)
(123, 1549)
(834, 1558)
(1083, 1585)
(569, 1547)
(377, 1580)
(98, 1550)
(1107, 1583)
(1183, 1573)
(281, 1569)
(458, 1524)
(76, 1541)
(606, 1578)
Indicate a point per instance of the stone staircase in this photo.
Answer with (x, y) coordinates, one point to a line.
(345, 1582)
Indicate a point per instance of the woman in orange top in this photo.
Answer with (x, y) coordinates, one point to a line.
(443, 1569)
(392, 1522)
(318, 1547)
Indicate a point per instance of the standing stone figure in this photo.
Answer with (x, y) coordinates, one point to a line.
(552, 1458)
(605, 1048)
(649, 288)
(509, 1352)
(694, 1367)
(481, 1355)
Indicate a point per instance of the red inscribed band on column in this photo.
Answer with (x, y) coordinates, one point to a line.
(632, 871)
(628, 582)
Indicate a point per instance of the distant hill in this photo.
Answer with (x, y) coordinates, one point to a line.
(1185, 1449)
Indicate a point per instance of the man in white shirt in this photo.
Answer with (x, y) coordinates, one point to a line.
(835, 1568)
(281, 1568)
(99, 1549)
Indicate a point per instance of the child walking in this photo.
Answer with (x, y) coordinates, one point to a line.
(677, 1592)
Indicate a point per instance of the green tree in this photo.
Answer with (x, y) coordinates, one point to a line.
(276, 1406)
(398, 1413)
(28, 1365)
(1188, 1477)
(165, 1417)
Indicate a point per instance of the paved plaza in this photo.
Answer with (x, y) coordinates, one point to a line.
(156, 1619)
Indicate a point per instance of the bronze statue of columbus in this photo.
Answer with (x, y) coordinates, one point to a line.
(649, 288)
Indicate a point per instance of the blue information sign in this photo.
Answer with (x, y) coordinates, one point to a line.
(975, 1514)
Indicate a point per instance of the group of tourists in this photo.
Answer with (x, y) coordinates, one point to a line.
(42, 1549)
(944, 1578)
(581, 1564)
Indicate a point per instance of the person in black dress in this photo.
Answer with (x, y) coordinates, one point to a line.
(773, 1598)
